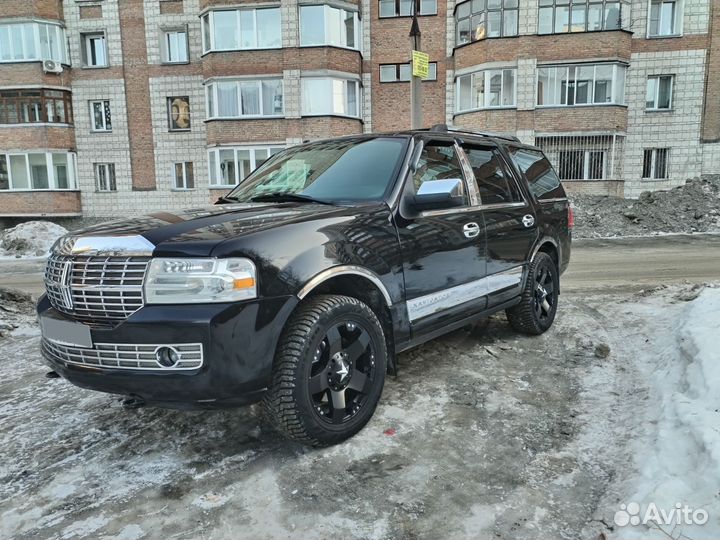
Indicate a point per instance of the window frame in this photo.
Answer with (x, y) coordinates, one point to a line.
(165, 46)
(678, 12)
(398, 10)
(486, 86)
(470, 195)
(654, 162)
(16, 102)
(398, 74)
(327, 27)
(212, 103)
(483, 14)
(168, 104)
(110, 177)
(70, 159)
(330, 80)
(41, 53)
(215, 170)
(569, 5)
(656, 97)
(586, 168)
(591, 103)
(86, 38)
(207, 29)
(106, 111)
(508, 172)
(188, 174)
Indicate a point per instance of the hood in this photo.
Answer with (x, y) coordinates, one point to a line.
(195, 232)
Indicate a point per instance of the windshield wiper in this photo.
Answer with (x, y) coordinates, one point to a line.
(226, 199)
(288, 197)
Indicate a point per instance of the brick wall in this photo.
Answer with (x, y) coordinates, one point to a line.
(24, 137)
(44, 9)
(711, 113)
(39, 203)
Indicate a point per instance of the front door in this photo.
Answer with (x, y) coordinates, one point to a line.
(510, 221)
(443, 251)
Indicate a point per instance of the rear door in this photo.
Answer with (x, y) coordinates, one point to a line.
(443, 251)
(510, 221)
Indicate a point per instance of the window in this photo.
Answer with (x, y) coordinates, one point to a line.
(403, 72)
(480, 19)
(233, 29)
(404, 8)
(38, 171)
(542, 179)
(32, 41)
(244, 98)
(94, 50)
(100, 118)
(655, 163)
(659, 92)
(178, 113)
(30, 106)
(584, 84)
(183, 175)
(495, 185)
(581, 164)
(105, 176)
(323, 96)
(174, 46)
(327, 25)
(665, 18)
(230, 166)
(485, 89)
(559, 16)
(438, 161)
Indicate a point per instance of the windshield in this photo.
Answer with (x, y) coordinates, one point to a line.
(342, 170)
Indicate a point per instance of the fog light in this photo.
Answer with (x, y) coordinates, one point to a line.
(167, 356)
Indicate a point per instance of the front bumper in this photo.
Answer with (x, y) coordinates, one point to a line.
(237, 344)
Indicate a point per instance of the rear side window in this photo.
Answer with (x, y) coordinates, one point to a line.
(542, 179)
(438, 161)
(494, 183)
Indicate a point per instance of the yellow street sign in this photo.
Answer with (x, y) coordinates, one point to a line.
(420, 64)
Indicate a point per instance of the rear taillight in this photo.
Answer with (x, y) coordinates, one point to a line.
(571, 217)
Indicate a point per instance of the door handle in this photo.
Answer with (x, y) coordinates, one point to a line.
(528, 220)
(471, 230)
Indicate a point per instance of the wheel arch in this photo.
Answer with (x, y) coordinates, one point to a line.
(364, 285)
(550, 246)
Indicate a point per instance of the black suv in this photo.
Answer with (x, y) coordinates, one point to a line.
(301, 286)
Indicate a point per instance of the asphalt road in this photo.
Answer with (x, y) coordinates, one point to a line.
(623, 264)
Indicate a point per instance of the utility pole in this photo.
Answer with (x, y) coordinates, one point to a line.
(416, 113)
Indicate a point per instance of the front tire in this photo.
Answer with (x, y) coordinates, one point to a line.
(538, 305)
(328, 371)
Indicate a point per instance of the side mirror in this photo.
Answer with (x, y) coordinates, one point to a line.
(438, 195)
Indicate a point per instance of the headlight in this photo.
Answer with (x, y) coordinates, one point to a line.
(194, 281)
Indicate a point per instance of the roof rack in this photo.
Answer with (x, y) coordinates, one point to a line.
(444, 128)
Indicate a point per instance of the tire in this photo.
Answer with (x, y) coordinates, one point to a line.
(332, 346)
(532, 315)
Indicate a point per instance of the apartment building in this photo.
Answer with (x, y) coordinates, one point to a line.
(113, 108)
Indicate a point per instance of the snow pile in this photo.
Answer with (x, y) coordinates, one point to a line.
(30, 239)
(683, 464)
(692, 207)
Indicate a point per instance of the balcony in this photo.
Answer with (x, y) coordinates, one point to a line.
(46, 203)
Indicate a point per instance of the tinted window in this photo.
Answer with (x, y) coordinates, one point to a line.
(542, 180)
(494, 183)
(333, 170)
(438, 161)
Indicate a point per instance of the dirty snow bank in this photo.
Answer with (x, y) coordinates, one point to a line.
(30, 239)
(682, 465)
(692, 207)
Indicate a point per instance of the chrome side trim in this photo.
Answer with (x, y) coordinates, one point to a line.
(429, 304)
(344, 270)
(555, 199)
(497, 206)
(124, 355)
(104, 245)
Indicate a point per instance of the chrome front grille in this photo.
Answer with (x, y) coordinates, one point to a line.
(124, 355)
(96, 289)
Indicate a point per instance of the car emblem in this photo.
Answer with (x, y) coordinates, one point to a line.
(63, 285)
(343, 371)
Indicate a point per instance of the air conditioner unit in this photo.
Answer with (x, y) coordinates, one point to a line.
(51, 66)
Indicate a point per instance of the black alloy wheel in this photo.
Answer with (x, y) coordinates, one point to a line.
(535, 312)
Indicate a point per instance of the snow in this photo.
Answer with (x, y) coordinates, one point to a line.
(30, 239)
(682, 463)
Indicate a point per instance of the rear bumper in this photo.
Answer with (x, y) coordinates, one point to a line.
(237, 341)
